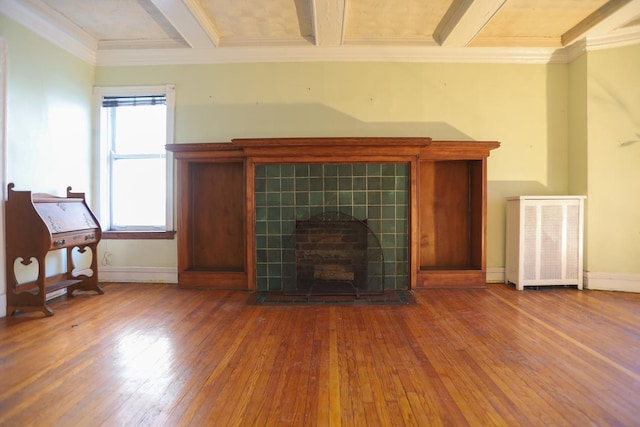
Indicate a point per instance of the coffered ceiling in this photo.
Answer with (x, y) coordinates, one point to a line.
(110, 32)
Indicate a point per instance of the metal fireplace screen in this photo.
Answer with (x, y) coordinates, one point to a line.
(333, 254)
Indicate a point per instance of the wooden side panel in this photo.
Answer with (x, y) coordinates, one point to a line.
(477, 200)
(216, 225)
(427, 214)
(445, 214)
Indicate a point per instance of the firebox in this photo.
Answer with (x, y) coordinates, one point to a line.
(334, 254)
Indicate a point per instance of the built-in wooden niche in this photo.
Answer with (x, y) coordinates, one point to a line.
(447, 206)
(215, 229)
(211, 216)
(451, 221)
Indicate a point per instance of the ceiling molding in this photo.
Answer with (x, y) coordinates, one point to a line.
(464, 21)
(324, 54)
(618, 38)
(196, 29)
(51, 26)
(328, 21)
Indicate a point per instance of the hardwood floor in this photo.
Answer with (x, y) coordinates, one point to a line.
(151, 354)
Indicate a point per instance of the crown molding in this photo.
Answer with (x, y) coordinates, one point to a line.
(322, 54)
(55, 28)
(619, 38)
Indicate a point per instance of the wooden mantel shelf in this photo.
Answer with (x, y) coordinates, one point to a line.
(348, 147)
(447, 206)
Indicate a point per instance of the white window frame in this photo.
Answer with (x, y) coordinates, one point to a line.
(102, 163)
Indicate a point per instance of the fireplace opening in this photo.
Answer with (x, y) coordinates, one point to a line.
(334, 254)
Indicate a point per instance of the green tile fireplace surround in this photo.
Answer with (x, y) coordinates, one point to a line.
(377, 193)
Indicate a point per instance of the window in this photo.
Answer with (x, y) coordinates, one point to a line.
(135, 172)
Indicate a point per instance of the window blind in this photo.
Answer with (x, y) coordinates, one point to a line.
(133, 101)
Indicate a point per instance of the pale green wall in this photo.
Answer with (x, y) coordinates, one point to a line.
(578, 126)
(48, 114)
(522, 106)
(613, 110)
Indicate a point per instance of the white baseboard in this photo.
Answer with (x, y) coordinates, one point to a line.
(593, 281)
(138, 274)
(612, 282)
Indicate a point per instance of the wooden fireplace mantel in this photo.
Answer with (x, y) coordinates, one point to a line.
(447, 206)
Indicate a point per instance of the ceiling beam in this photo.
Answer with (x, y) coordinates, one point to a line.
(328, 21)
(464, 20)
(609, 17)
(190, 20)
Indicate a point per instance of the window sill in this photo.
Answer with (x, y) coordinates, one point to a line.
(138, 235)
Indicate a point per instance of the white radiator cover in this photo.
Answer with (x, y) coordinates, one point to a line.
(544, 241)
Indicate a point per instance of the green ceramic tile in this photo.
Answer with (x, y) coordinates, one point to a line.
(273, 199)
(345, 184)
(287, 171)
(287, 184)
(345, 198)
(273, 228)
(388, 197)
(330, 170)
(273, 170)
(360, 212)
(316, 184)
(359, 198)
(316, 198)
(388, 226)
(359, 169)
(261, 199)
(374, 169)
(302, 198)
(331, 198)
(274, 255)
(261, 227)
(273, 213)
(330, 183)
(260, 185)
(316, 170)
(345, 169)
(374, 183)
(288, 198)
(273, 185)
(302, 184)
(374, 198)
(301, 170)
(389, 169)
(388, 212)
(388, 183)
(261, 213)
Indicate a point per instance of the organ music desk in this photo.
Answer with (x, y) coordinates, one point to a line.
(37, 224)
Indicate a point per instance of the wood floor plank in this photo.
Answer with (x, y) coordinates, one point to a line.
(154, 354)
